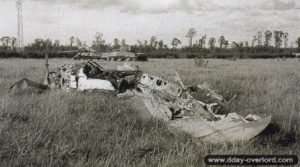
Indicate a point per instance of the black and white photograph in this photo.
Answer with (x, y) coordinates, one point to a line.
(162, 83)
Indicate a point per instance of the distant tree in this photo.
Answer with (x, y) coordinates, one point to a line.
(202, 41)
(123, 42)
(211, 43)
(153, 42)
(259, 38)
(190, 34)
(84, 45)
(72, 40)
(278, 38)
(48, 43)
(107, 47)
(285, 38)
(234, 44)
(13, 42)
(241, 44)
(8, 42)
(155, 45)
(139, 43)
(292, 44)
(56, 43)
(99, 43)
(99, 39)
(246, 44)
(145, 43)
(254, 40)
(116, 43)
(78, 43)
(268, 37)
(298, 42)
(166, 47)
(41, 44)
(5, 41)
(226, 44)
(175, 42)
(160, 44)
(38, 44)
(221, 41)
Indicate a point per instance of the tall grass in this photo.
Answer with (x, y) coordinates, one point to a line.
(98, 129)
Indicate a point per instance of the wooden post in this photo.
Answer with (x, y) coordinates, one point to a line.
(47, 81)
(180, 80)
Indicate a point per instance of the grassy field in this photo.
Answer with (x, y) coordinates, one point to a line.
(94, 129)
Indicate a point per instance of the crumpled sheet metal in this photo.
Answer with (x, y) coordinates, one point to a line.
(183, 112)
(167, 97)
(158, 83)
(63, 76)
(170, 98)
(89, 75)
(86, 84)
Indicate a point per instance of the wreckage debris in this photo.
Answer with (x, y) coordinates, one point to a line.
(198, 109)
(158, 83)
(29, 86)
(90, 75)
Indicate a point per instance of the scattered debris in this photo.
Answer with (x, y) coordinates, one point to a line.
(29, 86)
(198, 109)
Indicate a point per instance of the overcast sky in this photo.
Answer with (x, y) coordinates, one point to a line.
(237, 20)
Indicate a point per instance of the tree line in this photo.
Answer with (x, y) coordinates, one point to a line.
(268, 42)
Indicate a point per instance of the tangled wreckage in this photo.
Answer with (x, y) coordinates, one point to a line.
(197, 110)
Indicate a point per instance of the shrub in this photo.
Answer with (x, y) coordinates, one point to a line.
(200, 62)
